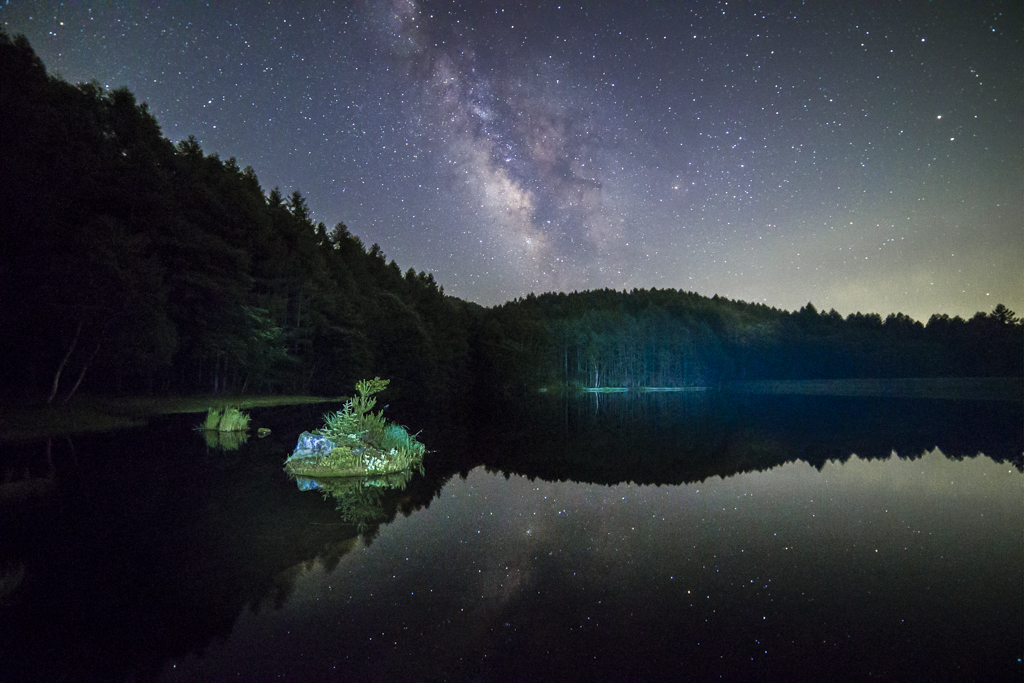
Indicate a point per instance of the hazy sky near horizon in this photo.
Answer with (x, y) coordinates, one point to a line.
(862, 156)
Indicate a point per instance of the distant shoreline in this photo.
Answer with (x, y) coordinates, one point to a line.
(958, 388)
(954, 388)
(642, 390)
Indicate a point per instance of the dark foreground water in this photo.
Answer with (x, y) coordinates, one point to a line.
(669, 538)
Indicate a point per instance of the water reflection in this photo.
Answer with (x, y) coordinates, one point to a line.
(147, 544)
(890, 568)
(679, 438)
(145, 549)
(227, 441)
(360, 500)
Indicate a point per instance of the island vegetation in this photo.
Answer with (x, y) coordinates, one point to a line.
(357, 442)
(148, 268)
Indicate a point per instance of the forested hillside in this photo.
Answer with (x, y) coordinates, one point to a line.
(134, 265)
(667, 338)
(131, 264)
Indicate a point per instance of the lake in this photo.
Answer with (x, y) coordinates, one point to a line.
(604, 538)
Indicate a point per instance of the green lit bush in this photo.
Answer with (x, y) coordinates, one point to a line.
(228, 420)
(364, 442)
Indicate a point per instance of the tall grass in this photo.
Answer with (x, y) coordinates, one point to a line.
(228, 420)
(234, 420)
(212, 421)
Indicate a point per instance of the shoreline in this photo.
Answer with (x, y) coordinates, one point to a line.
(950, 388)
(97, 414)
(947, 388)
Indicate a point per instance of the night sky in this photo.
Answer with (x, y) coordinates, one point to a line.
(862, 156)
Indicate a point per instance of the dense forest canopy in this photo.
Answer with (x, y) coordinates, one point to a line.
(131, 264)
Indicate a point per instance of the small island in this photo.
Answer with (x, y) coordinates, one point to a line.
(356, 442)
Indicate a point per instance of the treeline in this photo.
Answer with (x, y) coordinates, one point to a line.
(133, 265)
(668, 338)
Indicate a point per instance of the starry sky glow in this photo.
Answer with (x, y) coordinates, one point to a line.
(863, 156)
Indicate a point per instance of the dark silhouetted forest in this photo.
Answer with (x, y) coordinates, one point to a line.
(134, 265)
(668, 338)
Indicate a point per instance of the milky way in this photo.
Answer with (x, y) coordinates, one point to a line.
(860, 156)
(519, 154)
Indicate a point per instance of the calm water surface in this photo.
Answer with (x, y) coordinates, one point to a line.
(150, 555)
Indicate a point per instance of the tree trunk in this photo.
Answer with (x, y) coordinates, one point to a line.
(81, 375)
(60, 368)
